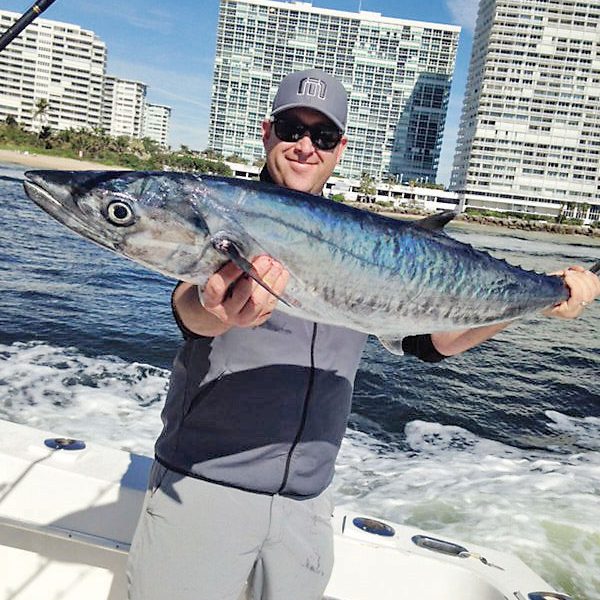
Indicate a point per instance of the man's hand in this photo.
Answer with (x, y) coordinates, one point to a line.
(584, 287)
(237, 300)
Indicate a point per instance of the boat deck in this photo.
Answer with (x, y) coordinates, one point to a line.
(67, 518)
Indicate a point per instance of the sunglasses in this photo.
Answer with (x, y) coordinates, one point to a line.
(322, 135)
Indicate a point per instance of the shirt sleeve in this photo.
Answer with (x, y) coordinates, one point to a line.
(422, 347)
(185, 332)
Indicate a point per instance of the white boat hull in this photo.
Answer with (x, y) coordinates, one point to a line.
(67, 518)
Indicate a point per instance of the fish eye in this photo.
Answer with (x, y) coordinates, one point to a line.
(120, 213)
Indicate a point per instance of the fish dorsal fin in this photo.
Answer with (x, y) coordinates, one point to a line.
(393, 345)
(223, 244)
(438, 221)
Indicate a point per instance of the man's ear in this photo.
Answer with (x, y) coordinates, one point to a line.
(266, 129)
(340, 148)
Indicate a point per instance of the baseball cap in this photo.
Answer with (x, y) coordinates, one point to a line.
(314, 89)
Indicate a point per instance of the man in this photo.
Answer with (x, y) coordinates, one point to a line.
(258, 403)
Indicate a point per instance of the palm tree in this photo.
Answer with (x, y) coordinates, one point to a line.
(45, 136)
(151, 146)
(566, 207)
(585, 211)
(236, 158)
(40, 114)
(119, 144)
(85, 142)
(212, 154)
(367, 187)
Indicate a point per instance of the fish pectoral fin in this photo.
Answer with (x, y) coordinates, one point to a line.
(438, 221)
(393, 345)
(228, 248)
(595, 269)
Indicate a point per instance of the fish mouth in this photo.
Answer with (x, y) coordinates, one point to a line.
(57, 199)
(34, 188)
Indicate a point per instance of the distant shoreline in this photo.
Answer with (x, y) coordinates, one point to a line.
(47, 161)
(508, 224)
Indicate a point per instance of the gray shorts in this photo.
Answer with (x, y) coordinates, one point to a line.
(201, 541)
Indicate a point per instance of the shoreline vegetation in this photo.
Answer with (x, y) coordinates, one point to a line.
(92, 149)
(508, 222)
(96, 146)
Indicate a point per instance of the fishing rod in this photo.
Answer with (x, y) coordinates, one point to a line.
(25, 19)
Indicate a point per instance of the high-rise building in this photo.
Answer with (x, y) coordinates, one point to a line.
(54, 74)
(123, 107)
(156, 122)
(59, 64)
(397, 74)
(529, 137)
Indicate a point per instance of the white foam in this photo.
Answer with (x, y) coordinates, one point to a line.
(539, 504)
(104, 399)
(583, 432)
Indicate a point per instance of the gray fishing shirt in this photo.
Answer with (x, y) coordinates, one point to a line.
(262, 409)
(265, 409)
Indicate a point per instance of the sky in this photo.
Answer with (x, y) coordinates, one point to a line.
(170, 46)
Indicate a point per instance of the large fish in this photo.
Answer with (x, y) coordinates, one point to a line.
(347, 267)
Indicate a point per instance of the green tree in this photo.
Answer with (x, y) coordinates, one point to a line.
(45, 136)
(13, 134)
(565, 208)
(584, 210)
(151, 147)
(367, 189)
(236, 158)
(40, 113)
(119, 144)
(212, 154)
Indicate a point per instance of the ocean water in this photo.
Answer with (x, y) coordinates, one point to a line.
(499, 446)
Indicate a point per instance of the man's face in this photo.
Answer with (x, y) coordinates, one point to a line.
(300, 165)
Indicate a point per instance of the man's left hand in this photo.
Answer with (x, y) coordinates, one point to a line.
(584, 287)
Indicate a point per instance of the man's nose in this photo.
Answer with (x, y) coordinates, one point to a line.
(304, 144)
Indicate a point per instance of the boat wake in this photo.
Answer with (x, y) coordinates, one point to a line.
(537, 503)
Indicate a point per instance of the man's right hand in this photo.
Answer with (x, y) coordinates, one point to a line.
(237, 300)
(230, 298)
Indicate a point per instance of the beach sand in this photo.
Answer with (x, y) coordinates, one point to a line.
(43, 161)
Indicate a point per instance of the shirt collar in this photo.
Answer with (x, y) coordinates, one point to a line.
(265, 176)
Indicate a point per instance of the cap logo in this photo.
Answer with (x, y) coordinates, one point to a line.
(310, 86)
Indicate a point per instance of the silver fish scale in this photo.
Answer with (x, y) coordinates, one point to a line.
(385, 276)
